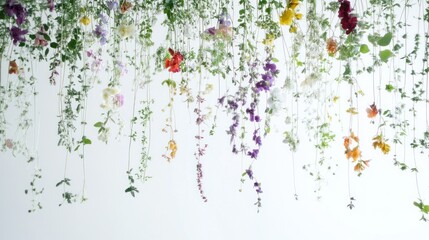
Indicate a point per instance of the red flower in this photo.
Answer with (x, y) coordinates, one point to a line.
(348, 21)
(173, 63)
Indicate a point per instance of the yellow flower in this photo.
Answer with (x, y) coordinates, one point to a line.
(268, 40)
(85, 20)
(293, 29)
(298, 16)
(293, 4)
(287, 17)
(173, 147)
(379, 142)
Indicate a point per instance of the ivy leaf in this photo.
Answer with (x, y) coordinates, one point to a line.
(385, 40)
(373, 39)
(54, 45)
(364, 48)
(385, 55)
(390, 87)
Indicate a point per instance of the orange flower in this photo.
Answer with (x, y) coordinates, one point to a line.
(331, 46)
(361, 165)
(173, 64)
(13, 67)
(372, 111)
(355, 153)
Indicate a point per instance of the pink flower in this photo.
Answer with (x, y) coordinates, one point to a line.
(118, 100)
(9, 143)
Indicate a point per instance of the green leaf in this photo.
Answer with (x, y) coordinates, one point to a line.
(373, 39)
(385, 55)
(86, 141)
(54, 45)
(364, 48)
(72, 44)
(98, 124)
(390, 87)
(425, 209)
(385, 40)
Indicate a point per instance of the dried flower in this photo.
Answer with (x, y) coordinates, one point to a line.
(13, 67)
(372, 111)
(331, 46)
(125, 6)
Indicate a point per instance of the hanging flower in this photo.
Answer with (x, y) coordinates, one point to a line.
(289, 14)
(112, 99)
(361, 165)
(331, 46)
(8, 143)
(13, 67)
(15, 9)
(173, 63)
(112, 5)
(380, 142)
(101, 29)
(172, 147)
(17, 34)
(51, 5)
(39, 39)
(348, 21)
(85, 20)
(351, 144)
(126, 6)
(126, 30)
(287, 17)
(372, 111)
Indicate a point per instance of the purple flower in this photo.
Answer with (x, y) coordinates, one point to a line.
(258, 187)
(253, 154)
(17, 34)
(270, 67)
(51, 5)
(112, 5)
(257, 138)
(211, 31)
(249, 173)
(12, 8)
(232, 104)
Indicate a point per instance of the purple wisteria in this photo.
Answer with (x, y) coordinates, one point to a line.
(101, 29)
(268, 77)
(14, 9)
(17, 34)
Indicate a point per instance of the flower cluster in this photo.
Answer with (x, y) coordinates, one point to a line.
(380, 142)
(348, 21)
(172, 63)
(289, 14)
(112, 99)
(14, 9)
(224, 29)
(268, 77)
(351, 144)
(101, 29)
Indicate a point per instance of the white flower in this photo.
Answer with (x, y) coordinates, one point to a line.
(111, 98)
(126, 31)
(104, 135)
